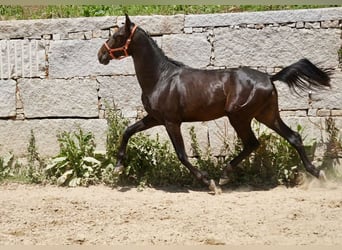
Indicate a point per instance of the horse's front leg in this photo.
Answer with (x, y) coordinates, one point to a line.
(145, 123)
(174, 132)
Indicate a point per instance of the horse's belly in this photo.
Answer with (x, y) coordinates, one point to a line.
(204, 113)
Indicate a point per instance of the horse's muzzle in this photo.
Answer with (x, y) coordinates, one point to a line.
(103, 57)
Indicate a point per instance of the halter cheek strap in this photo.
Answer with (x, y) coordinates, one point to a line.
(123, 48)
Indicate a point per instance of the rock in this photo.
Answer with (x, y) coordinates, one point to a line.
(330, 98)
(22, 58)
(7, 98)
(75, 58)
(59, 98)
(191, 49)
(15, 135)
(274, 47)
(123, 91)
(36, 28)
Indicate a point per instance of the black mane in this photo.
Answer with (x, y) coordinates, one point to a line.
(155, 45)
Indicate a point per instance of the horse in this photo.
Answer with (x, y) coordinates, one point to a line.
(173, 93)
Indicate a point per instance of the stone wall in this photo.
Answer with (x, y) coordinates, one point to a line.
(51, 81)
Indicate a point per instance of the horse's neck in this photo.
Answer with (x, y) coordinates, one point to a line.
(148, 63)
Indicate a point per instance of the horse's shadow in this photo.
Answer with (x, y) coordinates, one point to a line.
(189, 189)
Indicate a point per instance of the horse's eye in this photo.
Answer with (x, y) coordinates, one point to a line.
(119, 38)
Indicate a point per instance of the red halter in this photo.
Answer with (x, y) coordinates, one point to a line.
(123, 48)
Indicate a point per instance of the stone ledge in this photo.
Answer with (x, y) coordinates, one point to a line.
(37, 28)
(265, 17)
(158, 24)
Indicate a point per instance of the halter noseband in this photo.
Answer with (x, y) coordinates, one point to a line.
(123, 48)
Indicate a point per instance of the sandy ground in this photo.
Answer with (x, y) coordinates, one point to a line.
(306, 215)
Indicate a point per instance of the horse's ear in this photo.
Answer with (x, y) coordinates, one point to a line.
(128, 24)
(116, 28)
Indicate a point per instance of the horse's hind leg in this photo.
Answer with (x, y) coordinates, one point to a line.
(249, 141)
(277, 124)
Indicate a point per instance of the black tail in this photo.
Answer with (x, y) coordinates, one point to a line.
(304, 75)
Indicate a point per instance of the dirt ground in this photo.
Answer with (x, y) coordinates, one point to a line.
(307, 215)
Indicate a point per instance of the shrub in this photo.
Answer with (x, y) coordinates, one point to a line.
(333, 151)
(152, 162)
(76, 163)
(6, 164)
(34, 171)
(206, 161)
(148, 160)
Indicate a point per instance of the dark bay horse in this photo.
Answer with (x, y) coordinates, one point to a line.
(173, 93)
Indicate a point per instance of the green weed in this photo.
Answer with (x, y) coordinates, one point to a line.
(274, 162)
(76, 163)
(333, 152)
(35, 168)
(6, 163)
(148, 160)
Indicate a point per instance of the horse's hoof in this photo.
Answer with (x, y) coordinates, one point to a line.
(224, 181)
(118, 170)
(213, 188)
(322, 176)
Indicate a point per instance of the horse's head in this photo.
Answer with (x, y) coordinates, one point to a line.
(117, 46)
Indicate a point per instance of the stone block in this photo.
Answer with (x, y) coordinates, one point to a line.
(324, 112)
(275, 47)
(59, 98)
(312, 25)
(74, 58)
(22, 58)
(188, 30)
(124, 91)
(191, 49)
(330, 98)
(285, 113)
(300, 25)
(312, 112)
(336, 112)
(7, 98)
(76, 36)
(289, 100)
(88, 35)
(101, 34)
(329, 24)
(15, 135)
